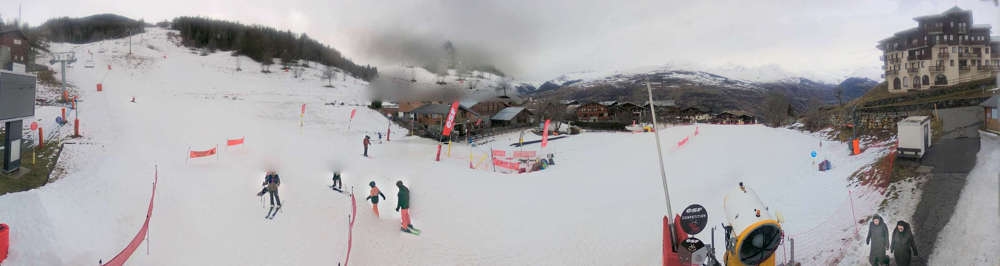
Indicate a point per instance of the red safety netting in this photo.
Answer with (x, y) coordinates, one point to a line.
(205, 153)
(507, 164)
(127, 252)
(234, 142)
(524, 154)
(350, 230)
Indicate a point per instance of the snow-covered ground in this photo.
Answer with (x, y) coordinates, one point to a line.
(601, 204)
(972, 236)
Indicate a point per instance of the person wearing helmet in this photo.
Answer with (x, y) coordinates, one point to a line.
(373, 195)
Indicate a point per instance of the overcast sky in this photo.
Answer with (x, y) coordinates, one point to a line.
(538, 40)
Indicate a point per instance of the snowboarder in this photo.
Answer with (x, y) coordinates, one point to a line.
(379, 137)
(336, 181)
(367, 142)
(878, 238)
(271, 183)
(373, 195)
(903, 247)
(403, 203)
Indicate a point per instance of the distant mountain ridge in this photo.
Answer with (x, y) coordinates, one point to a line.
(698, 88)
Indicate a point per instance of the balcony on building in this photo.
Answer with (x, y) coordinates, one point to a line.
(936, 69)
(964, 68)
(912, 69)
(943, 55)
(969, 55)
(892, 72)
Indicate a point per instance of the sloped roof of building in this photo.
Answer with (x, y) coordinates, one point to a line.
(468, 103)
(953, 10)
(608, 103)
(992, 102)
(662, 103)
(14, 31)
(438, 109)
(508, 113)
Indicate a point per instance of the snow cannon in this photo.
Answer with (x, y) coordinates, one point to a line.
(752, 233)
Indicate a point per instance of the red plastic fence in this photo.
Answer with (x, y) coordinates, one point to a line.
(205, 153)
(234, 142)
(524, 154)
(350, 230)
(127, 252)
(506, 164)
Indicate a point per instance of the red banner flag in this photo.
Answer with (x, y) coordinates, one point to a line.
(234, 142)
(545, 134)
(353, 111)
(499, 153)
(197, 154)
(450, 123)
(303, 109)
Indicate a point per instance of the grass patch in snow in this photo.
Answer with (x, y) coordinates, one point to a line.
(39, 171)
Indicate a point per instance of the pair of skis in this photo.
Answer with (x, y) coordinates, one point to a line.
(272, 212)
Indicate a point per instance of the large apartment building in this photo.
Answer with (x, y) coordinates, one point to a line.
(944, 49)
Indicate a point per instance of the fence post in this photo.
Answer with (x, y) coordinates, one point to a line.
(791, 253)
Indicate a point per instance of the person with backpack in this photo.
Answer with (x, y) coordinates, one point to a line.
(367, 142)
(903, 246)
(271, 183)
(373, 195)
(403, 207)
(878, 238)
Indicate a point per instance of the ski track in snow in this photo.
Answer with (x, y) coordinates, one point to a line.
(600, 204)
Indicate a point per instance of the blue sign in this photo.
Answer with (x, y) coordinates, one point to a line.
(813, 154)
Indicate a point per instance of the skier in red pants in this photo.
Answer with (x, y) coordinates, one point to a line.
(403, 207)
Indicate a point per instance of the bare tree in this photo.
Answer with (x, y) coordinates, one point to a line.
(329, 74)
(776, 106)
(814, 118)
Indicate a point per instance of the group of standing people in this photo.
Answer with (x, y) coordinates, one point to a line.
(902, 247)
(402, 203)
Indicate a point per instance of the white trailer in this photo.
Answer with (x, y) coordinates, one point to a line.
(914, 134)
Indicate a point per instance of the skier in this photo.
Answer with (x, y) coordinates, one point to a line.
(367, 142)
(878, 238)
(379, 137)
(336, 181)
(373, 196)
(271, 183)
(403, 203)
(903, 247)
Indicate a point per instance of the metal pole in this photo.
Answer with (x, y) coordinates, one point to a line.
(663, 172)
(791, 253)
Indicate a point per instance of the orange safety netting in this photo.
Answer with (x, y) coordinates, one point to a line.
(127, 252)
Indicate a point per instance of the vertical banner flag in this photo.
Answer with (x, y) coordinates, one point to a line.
(303, 110)
(451, 119)
(545, 134)
(353, 112)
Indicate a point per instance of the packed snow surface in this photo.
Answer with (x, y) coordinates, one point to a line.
(600, 204)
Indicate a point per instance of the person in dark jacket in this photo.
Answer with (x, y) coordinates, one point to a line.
(367, 142)
(903, 246)
(336, 180)
(271, 183)
(373, 196)
(878, 238)
(403, 203)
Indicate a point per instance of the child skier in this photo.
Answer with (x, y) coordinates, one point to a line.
(403, 203)
(373, 196)
(271, 183)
